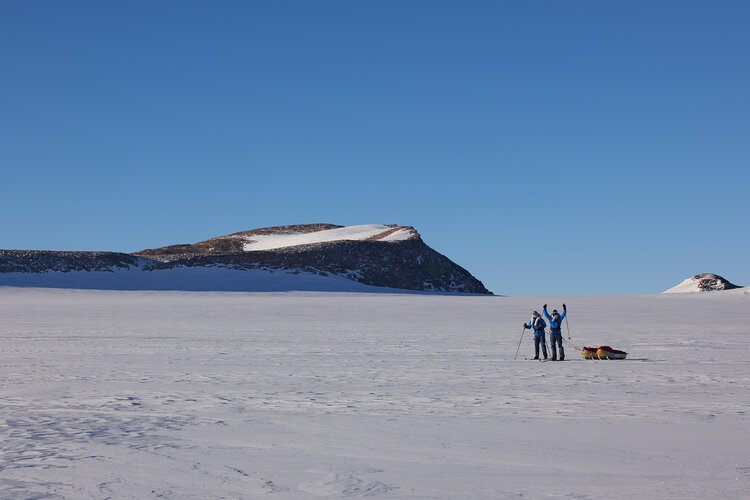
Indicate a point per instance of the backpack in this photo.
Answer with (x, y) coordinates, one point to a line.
(553, 323)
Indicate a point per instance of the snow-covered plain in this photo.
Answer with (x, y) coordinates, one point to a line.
(133, 394)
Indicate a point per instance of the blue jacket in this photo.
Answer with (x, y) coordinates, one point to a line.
(539, 327)
(554, 326)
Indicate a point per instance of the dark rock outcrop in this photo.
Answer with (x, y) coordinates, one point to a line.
(707, 282)
(40, 261)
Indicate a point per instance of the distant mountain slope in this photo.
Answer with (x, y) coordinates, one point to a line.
(378, 255)
(388, 256)
(705, 282)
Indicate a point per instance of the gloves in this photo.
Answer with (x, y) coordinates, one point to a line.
(564, 308)
(525, 326)
(545, 307)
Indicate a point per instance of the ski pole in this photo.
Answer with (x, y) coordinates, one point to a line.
(519, 343)
(567, 326)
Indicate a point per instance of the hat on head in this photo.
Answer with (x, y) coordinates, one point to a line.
(535, 313)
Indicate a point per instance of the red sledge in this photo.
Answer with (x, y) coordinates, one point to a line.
(603, 352)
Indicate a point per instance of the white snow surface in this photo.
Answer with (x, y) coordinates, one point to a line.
(355, 233)
(188, 395)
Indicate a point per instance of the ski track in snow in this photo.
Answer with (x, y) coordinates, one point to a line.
(110, 394)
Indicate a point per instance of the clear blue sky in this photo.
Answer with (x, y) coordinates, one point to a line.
(580, 147)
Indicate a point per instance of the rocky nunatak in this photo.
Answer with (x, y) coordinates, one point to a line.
(708, 282)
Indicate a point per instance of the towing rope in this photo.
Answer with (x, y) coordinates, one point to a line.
(571, 344)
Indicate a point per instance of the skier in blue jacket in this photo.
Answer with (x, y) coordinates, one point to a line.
(538, 324)
(555, 333)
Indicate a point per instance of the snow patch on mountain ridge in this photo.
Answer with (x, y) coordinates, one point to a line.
(367, 232)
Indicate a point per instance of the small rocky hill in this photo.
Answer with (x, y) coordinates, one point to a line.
(378, 255)
(705, 282)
